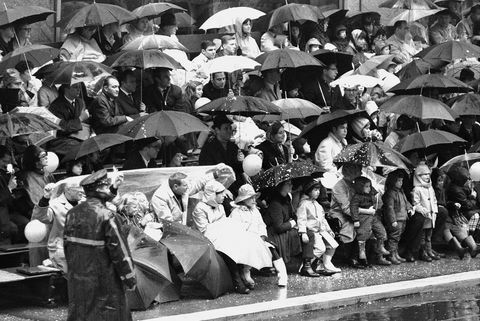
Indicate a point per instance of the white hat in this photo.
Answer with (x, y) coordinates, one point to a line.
(371, 107)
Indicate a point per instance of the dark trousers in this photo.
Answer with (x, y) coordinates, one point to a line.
(369, 224)
(440, 224)
(412, 237)
(307, 248)
(394, 235)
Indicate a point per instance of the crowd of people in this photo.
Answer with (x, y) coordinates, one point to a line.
(403, 212)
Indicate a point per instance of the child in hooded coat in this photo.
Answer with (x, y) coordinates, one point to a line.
(425, 202)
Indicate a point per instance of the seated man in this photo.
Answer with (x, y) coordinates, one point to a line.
(216, 87)
(170, 200)
(129, 102)
(163, 95)
(146, 151)
(54, 211)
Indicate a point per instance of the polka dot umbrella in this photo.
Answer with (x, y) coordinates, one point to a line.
(374, 154)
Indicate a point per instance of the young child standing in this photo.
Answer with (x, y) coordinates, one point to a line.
(396, 209)
(425, 202)
(363, 208)
(311, 221)
(247, 213)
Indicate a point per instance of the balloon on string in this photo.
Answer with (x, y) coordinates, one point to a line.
(35, 231)
(252, 164)
(52, 164)
(475, 172)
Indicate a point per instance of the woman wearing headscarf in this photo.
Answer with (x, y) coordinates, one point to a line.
(357, 46)
(81, 45)
(274, 150)
(245, 41)
(361, 131)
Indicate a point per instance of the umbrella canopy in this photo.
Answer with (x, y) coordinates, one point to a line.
(292, 108)
(343, 60)
(143, 59)
(73, 72)
(454, 69)
(152, 271)
(326, 120)
(412, 15)
(409, 4)
(281, 173)
(35, 54)
(230, 16)
(466, 159)
(155, 10)
(335, 14)
(419, 106)
(449, 51)
(417, 67)
(39, 111)
(370, 66)
(240, 105)
(443, 84)
(24, 15)
(468, 104)
(197, 256)
(355, 18)
(374, 154)
(230, 64)
(426, 139)
(96, 144)
(287, 58)
(99, 14)
(162, 123)
(154, 42)
(356, 80)
(295, 12)
(15, 124)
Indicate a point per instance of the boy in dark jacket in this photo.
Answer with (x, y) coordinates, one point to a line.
(363, 209)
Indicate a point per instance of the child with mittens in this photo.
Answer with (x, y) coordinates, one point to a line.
(245, 211)
(316, 234)
(425, 202)
(363, 208)
(396, 210)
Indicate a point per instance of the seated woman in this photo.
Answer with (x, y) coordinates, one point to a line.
(236, 245)
(81, 45)
(274, 150)
(134, 209)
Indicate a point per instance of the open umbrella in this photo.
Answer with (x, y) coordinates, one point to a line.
(152, 271)
(356, 80)
(374, 154)
(466, 159)
(468, 104)
(370, 66)
(230, 64)
(442, 84)
(153, 42)
(240, 105)
(35, 54)
(355, 18)
(73, 72)
(412, 15)
(419, 106)
(426, 139)
(162, 123)
(414, 69)
(15, 124)
(280, 173)
(335, 14)
(99, 14)
(454, 69)
(39, 111)
(409, 4)
(96, 144)
(343, 60)
(24, 15)
(230, 16)
(197, 256)
(142, 59)
(287, 58)
(292, 108)
(295, 12)
(155, 10)
(449, 51)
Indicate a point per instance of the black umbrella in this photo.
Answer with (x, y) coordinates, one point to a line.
(343, 60)
(240, 105)
(425, 83)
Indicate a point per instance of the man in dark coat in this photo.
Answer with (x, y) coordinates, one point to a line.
(163, 95)
(106, 115)
(318, 90)
(216, 87)
(145, 154)
(7, 33)
(98, 258)
(129, 101)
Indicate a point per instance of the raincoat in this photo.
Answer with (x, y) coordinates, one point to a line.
(245, 42)
(99, 264)
(424, 199)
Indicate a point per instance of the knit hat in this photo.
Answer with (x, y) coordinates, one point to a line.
(422, 169)
(312, 42)
(371, 107)
(359, 124)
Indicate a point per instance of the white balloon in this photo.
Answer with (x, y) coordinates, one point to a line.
(35, 231)
(52, 164)
(475, 172)
(252, 164)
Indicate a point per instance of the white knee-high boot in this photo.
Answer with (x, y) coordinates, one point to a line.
(279, 265)
(327, 261)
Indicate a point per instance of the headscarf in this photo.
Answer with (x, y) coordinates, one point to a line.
(210, 192)
(417, 179)
(358, 125)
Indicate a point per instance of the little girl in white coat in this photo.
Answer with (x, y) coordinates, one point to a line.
(247, 213)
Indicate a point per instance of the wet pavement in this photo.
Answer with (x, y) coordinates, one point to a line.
(195, 299)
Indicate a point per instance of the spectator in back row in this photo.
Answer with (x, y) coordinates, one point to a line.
(216, 87)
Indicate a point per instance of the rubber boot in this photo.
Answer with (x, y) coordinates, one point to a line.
(381, 248)
(424, 255)
(398, 257)
(246, 277)
(351, 256)
(362, 255)
(382, 261)
(409, 257)
(281, 272)
(472, 246)
(393, 257)
(307, 269)
(238, 284)
(327, 262)
(429, 251)
(459, 249)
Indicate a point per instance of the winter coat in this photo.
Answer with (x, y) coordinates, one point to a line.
(251, 219)
(99, 264)
(326, 152)
(311, 216)
(395, 206)
(457, 192)
(359, 201)
(272, 156)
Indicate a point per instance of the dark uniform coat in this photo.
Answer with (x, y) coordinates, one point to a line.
(99, 264)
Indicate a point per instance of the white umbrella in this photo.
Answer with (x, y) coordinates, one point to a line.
(229, 17)
(356, 80)
(154, 42)
(411, 15)
(230, 64)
